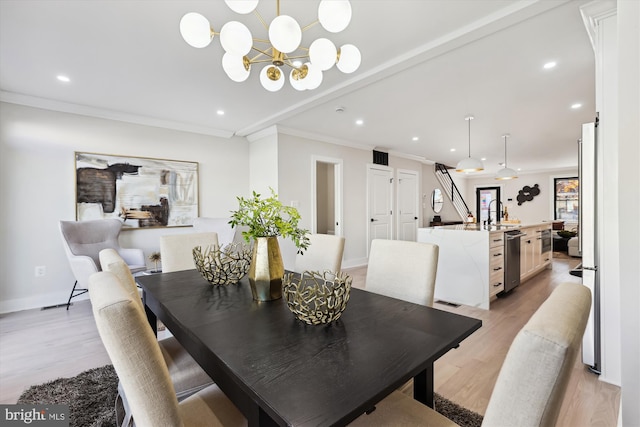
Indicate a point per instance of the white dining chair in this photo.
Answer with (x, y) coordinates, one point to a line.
(324, 253)
(141, 368)
(176, 250)
(403, 270)
(186, 375)
(532, 382)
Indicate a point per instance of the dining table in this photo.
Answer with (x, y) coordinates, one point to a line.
(281, 371)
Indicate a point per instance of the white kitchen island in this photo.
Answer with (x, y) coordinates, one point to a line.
(471, 260)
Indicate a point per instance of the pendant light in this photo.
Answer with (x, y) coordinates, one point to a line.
(469, 164)
(506, 173)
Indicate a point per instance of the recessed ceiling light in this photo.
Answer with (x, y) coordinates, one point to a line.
(483, 159)
(549, 65)
(415, 138)
(519, 169)
(220, 113)
(64, 79)
(576, 105)
(359, 122)
(452, 150)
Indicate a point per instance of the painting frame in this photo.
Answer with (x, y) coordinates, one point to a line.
(142, 192)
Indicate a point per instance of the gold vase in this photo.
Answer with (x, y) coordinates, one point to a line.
(267, 269)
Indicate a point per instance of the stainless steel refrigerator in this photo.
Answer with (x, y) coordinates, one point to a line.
(588, 241)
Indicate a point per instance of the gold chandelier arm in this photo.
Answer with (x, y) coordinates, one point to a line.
(313, 24)
(261, 19)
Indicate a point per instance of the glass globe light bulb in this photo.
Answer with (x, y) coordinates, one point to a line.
(285, 33)
(334, 15)
(196, 30)
(349, 60)
(271, 78)
(242, 6)
(236, 38)
(235, 67)
(323, 53)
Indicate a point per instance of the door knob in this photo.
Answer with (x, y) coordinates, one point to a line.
(373, 220)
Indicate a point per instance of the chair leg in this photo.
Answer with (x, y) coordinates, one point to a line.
(76, 292)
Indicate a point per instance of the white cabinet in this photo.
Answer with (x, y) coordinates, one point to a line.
(532, 259)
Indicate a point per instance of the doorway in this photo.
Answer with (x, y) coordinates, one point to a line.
(488, 204)
(326, 199)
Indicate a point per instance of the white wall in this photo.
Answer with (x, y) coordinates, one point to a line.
(37, 177)
(629, 231)
(534, 211)
(263, 161)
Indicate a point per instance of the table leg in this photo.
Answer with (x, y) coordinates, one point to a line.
(259, 418)
(151, 316)
(423, 387)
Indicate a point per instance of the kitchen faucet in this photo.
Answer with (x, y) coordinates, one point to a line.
(497, 211)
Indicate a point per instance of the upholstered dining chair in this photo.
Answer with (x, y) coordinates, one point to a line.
(141, 368)
(403, 270)
(176, 250)
(83, 241)
(226, 233)
(186, 375)
(534, 376)
(324, 253)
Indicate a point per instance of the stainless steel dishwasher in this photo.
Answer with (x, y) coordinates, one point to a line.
(511, 260)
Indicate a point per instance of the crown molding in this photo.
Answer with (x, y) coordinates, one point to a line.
(84, 110)
(323, 138)
(592, 13)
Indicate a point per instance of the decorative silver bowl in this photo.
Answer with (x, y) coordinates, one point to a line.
(316, 298)
(223, 266)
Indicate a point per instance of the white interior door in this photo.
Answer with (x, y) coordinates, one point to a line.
(408, 205)
(380, 195)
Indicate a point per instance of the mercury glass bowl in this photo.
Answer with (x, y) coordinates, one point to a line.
(316, 298)
(223, 266)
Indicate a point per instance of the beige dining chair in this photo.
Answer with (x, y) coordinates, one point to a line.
(534, 376)
(186, 375)
(141, 368)
(83, 240)
(403, 270)
(324, 253)
(176, 250)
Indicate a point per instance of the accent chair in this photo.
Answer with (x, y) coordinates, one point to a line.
(83, 241)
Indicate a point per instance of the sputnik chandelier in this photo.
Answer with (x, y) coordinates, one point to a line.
(282, 48)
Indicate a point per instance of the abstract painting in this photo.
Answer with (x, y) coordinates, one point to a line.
(141, 192)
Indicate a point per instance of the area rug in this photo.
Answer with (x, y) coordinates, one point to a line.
(91, 396)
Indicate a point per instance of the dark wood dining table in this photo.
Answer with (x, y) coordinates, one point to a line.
(280, 371)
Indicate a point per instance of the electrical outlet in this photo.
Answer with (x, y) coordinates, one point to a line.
(41, 270)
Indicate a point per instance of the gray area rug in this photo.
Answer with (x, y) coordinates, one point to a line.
(91, 398)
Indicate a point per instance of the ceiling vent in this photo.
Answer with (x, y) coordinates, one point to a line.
(380, 158)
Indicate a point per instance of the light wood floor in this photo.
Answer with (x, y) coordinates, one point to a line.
(42, 345)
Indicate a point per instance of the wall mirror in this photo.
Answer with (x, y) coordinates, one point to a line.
(437, 200)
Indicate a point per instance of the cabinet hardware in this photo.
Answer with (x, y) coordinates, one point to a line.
(497, 284)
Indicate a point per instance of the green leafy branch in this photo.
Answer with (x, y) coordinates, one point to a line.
(268, 217)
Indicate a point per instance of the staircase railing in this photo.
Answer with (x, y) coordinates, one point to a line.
(452, 191)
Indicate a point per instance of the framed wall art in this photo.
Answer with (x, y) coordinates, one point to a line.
(142, 192)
